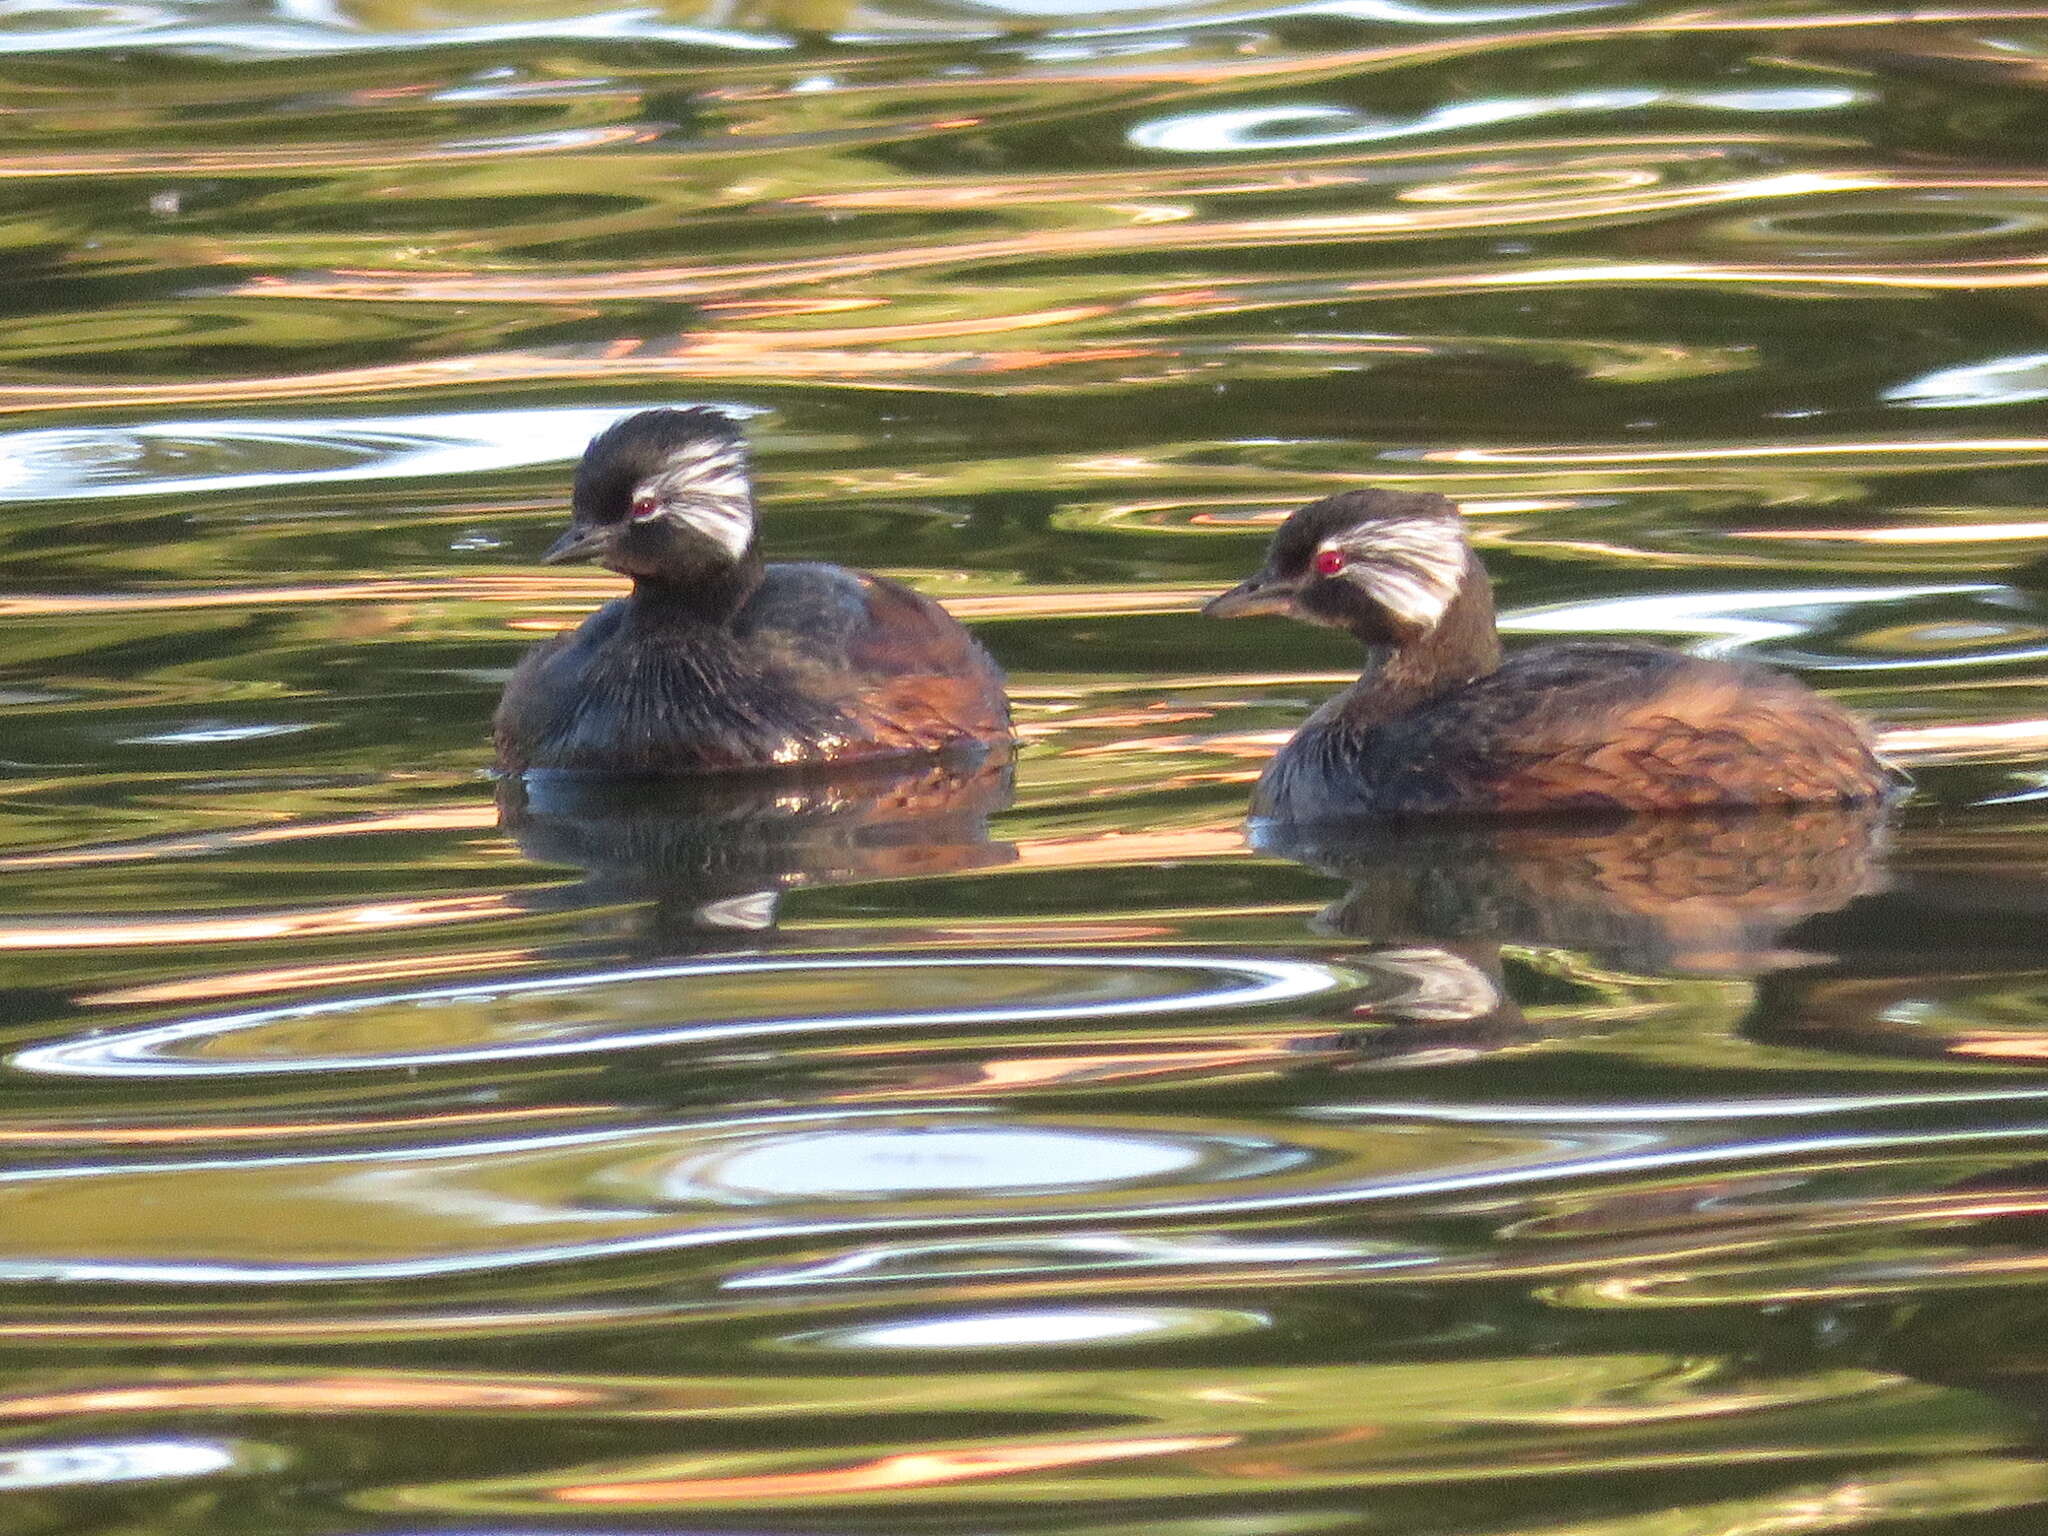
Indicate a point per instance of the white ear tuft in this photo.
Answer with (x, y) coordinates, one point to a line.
(728, 524)
(1413, 567)
(704, 486)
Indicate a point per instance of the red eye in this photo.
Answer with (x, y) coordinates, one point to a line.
(1330, 561)
(644, 507)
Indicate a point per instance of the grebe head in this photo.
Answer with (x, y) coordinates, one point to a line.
(663, 496)
(1388, 566)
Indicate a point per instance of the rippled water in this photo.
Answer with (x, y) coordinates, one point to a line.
(391, 1151)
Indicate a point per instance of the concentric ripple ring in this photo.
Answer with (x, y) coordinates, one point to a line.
(154, 1051)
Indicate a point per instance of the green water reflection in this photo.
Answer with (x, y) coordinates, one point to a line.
(389, 1151)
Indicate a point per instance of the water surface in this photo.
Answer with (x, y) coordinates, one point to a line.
(390, 1151)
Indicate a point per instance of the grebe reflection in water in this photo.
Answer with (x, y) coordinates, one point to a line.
(715, 854)
(1709, 892)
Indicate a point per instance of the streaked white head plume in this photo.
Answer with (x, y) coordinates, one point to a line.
(703, 485)
(1411, 566)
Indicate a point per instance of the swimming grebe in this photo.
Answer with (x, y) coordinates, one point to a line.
(1441, 725)
(718, 661)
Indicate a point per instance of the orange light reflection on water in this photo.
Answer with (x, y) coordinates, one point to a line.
(455, 818)
(916, 1469)
(583, 591)
(1962, 742)
(338, 155)
(324, 922)
(1301, 172)
(998, 1074)
(1919, 533)
(292, 978)
(1085, 849)
(32, 1133)
(470, 588)
(333, 1394)
(76, 1327)
(1877, 448)
(1125, 236)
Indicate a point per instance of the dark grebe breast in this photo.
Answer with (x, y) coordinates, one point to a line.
(1441, 725)
(718, 661)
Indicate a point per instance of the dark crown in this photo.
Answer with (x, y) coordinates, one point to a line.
(1296, 541)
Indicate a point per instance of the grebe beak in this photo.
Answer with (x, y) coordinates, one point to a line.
(1249, 599)
(578, 544)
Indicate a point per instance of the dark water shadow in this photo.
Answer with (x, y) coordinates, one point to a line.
(713, 856)
(1865, 936)
(1703, 894)
(1946, 963)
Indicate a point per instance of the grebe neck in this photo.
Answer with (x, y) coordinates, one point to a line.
(1459, 648)
(705, 595)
